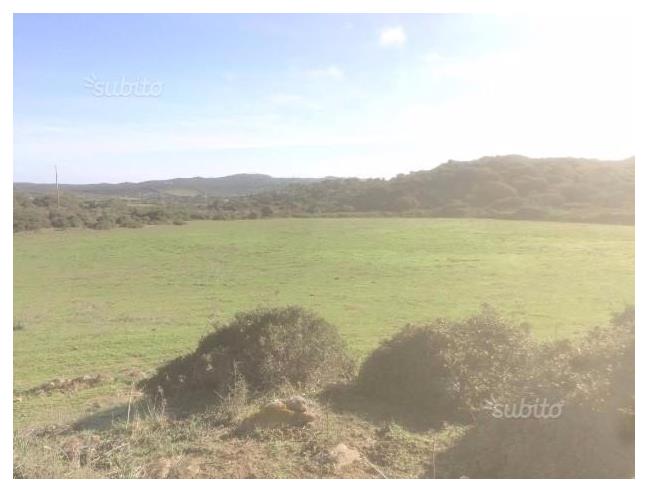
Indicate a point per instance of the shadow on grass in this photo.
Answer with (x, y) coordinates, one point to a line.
(103, 419)
(347, 398)
(176, 409)
(341, 398)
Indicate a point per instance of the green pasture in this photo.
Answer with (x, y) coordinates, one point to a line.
(113, 301)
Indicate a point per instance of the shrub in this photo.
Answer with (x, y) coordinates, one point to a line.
(410, 368)
(129, 222)
(447, 367)
(267, 348)
(104, 222)
(581, 443)
(593, 437)
(30, 218)
(18, 325)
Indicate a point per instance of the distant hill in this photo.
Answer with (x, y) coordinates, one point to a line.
(237, 184)
(499, 187)
(510, 186)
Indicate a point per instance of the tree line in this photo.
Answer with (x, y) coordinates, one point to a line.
(507, 187)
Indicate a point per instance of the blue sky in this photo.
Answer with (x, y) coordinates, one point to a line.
(111, 98)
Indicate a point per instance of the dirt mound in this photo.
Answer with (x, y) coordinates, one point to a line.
(67, 385)
(341, 456)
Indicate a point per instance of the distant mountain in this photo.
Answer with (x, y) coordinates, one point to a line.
(234, 185)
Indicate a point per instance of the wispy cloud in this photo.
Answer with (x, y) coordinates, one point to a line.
(393, 36)
(331, 72)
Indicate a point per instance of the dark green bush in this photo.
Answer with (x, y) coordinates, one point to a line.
(267, 348)
(105, 222)
(128, 221)
(27, 217)
(447, 367)
(411, 368)
(593, 437)
(43, 211)
(581, 443)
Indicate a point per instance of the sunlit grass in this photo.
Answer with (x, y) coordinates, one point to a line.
(106, 301)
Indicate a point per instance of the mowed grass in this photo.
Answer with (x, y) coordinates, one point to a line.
(111, 301)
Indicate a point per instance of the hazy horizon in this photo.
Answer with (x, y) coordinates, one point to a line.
(63, 182)
(131, 98)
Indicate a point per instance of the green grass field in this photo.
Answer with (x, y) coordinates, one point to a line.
(110, 301)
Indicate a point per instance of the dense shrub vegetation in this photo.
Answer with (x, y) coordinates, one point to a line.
(513, 187)
(508, 187)
(443, 369)
(44, 211)
(447, 370)
(594, 434)
(448, 367)
(486, 367)
(265, 349)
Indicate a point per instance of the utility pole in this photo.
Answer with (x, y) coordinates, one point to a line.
(58, 196)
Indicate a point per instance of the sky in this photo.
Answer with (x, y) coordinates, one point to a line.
(122, 97)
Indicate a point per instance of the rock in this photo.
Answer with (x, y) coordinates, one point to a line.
(342, 455)
(277, 413)
(276, 406)
(303, 418)
(296, 403)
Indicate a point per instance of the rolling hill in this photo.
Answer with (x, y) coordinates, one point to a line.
(236, 184)
(499, 187)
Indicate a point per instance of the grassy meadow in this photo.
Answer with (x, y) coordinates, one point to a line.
(124, 300)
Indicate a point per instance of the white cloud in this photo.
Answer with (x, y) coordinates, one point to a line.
(332, 72)
(393, 36)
